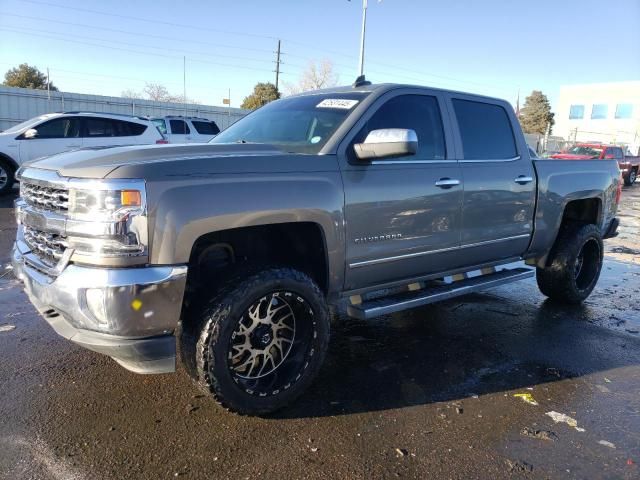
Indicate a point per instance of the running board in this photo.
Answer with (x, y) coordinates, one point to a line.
(435, 293)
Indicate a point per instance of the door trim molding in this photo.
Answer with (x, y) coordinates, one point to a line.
(377, 261)
(492, 160)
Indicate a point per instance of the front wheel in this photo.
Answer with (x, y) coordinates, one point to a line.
(6, 176)
(574, 265)
(631, 178)
(262, 340)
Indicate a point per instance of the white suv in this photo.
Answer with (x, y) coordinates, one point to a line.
(177, 129)
(59, 132)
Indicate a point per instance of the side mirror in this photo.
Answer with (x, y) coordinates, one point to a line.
(31, 133)
(387, 143)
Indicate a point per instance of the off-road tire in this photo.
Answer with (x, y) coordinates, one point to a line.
(220, 318)
(7, 170)
(561, 279)
(631, 177)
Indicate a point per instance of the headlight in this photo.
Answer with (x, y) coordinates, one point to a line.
(104, 205)
(107, 219)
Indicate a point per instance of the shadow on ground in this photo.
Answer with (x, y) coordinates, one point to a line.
(454, 350)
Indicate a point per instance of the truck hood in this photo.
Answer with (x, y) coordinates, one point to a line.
(571, 156)
(100, 162)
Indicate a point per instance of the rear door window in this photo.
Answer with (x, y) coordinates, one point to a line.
(179, 127)
(416, 112)
(205, 128)
(99, 127)
(485, 130)
(128, 129)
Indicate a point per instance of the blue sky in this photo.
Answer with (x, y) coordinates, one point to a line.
(493, 47)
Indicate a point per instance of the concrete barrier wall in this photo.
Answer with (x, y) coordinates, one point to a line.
(20, 104)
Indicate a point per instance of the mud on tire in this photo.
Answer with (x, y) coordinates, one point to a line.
(261, 340)
(574, 265)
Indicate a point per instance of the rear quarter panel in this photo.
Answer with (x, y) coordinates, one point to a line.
(562, 181)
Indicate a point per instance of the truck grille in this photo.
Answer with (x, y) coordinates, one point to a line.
(49, 247)
(46, 198)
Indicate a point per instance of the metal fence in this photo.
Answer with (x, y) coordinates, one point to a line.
(20, 104)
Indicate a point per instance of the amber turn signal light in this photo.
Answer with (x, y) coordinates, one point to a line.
(130, 198)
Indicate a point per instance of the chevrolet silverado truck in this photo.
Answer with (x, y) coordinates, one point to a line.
(229, 256)
(629, 165)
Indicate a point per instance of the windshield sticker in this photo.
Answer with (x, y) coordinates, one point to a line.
(342, 103)
(316, 139)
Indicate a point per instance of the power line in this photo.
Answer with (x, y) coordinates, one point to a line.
(155, 47)
(162, 37)
(333, 52)
(110, 47)
(142, 19)
(195, 27)
(129, 32)
(22, 31)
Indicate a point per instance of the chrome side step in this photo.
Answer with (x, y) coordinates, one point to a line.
(435, 292)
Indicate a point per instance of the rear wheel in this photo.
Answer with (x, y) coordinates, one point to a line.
(262, 340)
(6, 176)
(575, 264)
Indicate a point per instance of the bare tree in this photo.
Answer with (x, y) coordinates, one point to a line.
(317, 75)
(156, 92)
(131, 93)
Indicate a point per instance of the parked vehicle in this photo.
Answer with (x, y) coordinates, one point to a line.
(377, 198)
(59, 132)
(629, 165)
(178, 129)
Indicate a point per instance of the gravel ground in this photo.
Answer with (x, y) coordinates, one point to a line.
(429, 393)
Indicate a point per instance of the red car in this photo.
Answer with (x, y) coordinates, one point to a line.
(584, 151)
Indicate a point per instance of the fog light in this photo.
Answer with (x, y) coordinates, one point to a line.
(97, 305)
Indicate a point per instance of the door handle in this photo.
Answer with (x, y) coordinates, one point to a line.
(447, 182)
(523, 179)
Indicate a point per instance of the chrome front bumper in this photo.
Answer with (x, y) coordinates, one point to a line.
(129, 314)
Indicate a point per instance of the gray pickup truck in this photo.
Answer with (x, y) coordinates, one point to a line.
(370, 199)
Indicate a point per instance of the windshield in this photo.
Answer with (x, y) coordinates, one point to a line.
(583, 150)
(299, 124)
(26, 124)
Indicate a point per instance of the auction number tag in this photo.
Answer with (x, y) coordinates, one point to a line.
(342, 103)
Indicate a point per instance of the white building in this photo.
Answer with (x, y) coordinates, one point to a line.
(600, 112)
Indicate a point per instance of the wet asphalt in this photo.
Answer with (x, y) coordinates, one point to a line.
(428, 393)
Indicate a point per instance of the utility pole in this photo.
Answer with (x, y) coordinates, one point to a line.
(278, 65)
(184, 84)
(48, 90)
(547, 133)
(362, 35)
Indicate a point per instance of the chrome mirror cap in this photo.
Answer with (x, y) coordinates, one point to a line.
(387, 143)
